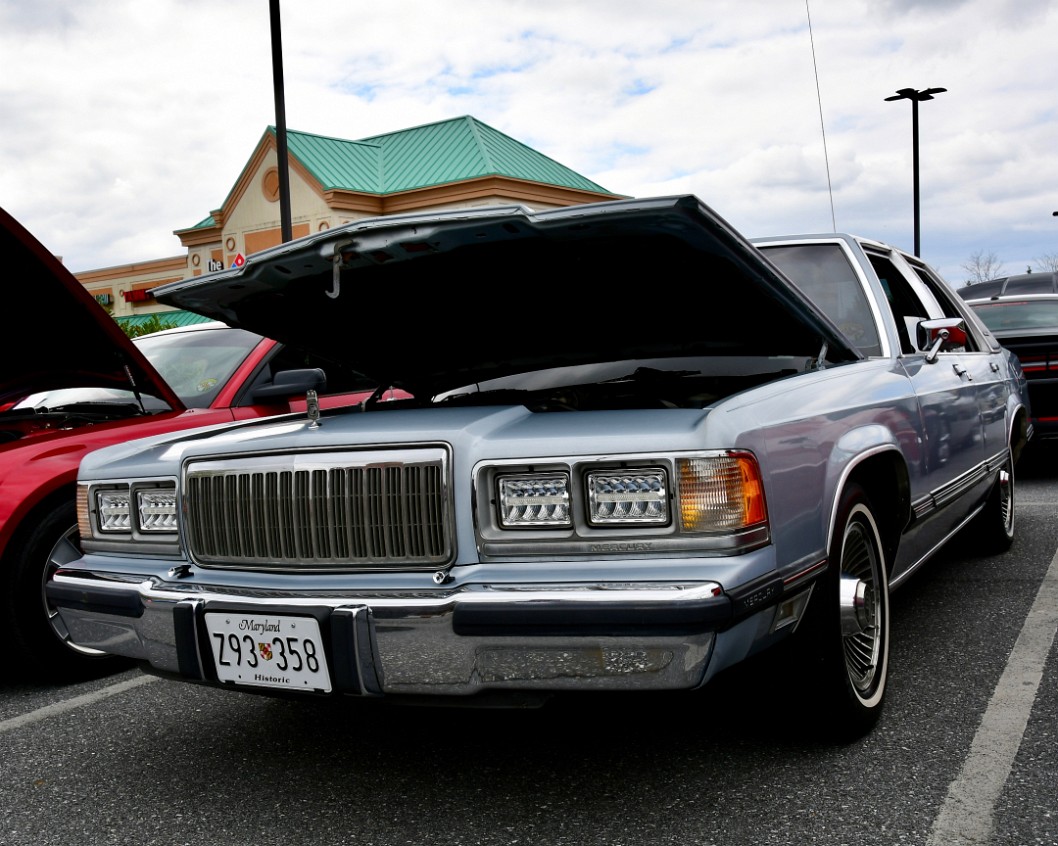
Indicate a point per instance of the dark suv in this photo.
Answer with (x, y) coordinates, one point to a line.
(1022, 313)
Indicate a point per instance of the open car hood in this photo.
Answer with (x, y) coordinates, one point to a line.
(76, 344)
(432, 302)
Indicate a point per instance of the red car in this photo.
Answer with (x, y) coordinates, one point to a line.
(78, 383)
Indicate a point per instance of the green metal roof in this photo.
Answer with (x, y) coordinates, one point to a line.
(170, 318)
(434, 154)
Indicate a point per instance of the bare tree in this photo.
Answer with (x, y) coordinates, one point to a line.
(983, 266)
(1048, 261)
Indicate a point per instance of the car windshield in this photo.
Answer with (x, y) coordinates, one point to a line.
(196, 364)
(1019, 314)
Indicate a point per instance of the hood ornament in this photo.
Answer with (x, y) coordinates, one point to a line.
(312, 408)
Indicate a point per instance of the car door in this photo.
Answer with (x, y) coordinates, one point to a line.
(953, 388)
(983, 363)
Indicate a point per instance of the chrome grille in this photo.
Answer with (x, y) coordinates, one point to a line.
(378, 510)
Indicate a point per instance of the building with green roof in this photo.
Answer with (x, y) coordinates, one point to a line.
(450, 164)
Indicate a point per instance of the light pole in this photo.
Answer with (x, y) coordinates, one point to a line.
(915, 97)
(282, 156)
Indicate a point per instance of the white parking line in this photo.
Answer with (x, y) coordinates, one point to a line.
(966, 815)
(75, 702)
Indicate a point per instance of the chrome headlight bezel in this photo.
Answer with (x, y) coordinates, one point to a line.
(674, 503)
(128, 511)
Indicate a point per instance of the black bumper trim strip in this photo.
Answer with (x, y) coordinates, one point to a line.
(563, 618)
(122, 603)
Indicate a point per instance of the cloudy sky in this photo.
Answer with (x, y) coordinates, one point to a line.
(123, 120)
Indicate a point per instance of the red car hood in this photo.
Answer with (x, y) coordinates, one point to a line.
(77, 344)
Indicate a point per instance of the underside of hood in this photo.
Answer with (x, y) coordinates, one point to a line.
(431, 302)
(77, 344)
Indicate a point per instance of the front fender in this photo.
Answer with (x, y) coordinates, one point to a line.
(876, 457)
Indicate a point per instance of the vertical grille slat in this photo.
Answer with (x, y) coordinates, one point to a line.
(341, 511)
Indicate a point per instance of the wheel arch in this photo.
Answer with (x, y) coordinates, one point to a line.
(1018, 437)
(883, 475)
(25, 522)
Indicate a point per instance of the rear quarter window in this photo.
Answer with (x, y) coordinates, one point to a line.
(824, 274)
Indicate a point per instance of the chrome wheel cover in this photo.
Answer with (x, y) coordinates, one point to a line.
(862, 574)
(1006, 497)
(67, 548)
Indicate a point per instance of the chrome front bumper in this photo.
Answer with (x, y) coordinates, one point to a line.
(458, 641)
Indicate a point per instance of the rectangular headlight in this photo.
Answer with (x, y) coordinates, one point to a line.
(721, 493)
(113, 508)
(628, 496)
(156, 509)
(122, 509)
(534, 500)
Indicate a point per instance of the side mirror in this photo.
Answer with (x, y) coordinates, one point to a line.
(288, 384)
(943, 335)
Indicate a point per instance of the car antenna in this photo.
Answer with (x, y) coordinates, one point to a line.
(822, 127)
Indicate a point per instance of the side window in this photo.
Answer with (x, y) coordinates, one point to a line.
(825, 275)
(946, 300)
(906, 303)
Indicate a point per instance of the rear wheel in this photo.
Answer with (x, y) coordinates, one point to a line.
(850, 621)
(995, 523)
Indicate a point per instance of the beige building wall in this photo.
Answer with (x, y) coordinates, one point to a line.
(124, 289)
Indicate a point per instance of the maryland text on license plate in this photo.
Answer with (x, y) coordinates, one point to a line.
(268, 650)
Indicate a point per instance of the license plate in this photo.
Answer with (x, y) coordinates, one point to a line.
(268, 650)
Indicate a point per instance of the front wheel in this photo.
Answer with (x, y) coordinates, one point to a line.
(38, 631)
(850, 623)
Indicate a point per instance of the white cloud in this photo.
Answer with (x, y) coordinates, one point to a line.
(126, 120)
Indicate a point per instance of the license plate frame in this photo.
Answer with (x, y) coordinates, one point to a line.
(276, 651)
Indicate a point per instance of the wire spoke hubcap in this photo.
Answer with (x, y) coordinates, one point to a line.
(1006, 498)
(860, 607)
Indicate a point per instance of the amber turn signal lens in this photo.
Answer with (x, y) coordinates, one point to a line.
(721, 493)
